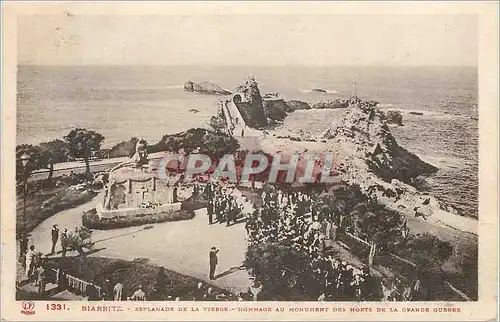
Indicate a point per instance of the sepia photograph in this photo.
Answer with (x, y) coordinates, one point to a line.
(236, 157)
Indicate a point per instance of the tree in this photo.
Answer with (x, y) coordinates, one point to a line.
(82, 143)
(54, 151)
(427, 251)
(35, 161)
(217, 124)
(381, 227)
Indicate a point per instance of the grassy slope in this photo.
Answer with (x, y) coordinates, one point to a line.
(41, 203)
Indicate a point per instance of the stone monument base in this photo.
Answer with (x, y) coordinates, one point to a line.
(127, 212)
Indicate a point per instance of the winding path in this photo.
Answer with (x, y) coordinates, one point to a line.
(181, 246)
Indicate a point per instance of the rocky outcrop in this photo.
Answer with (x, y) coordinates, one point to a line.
(205, 88)
(276, 109)
(394, 117)
(251, 106)
(297, 105)
(337, 103)
(368, 155)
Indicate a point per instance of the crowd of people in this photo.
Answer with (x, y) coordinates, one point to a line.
(291, 219)
(221, 204)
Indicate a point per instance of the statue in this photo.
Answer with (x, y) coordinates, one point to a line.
(141, 155)
(109, 194)
(138, 160)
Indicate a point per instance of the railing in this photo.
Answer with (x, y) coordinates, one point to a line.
(74, 284)
(359, 247)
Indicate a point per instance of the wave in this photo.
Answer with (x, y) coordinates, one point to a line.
(173, 86)
(325, 91)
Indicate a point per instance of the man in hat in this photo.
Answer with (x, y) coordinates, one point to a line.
(213, 261)
(55, 238)
(64, 241)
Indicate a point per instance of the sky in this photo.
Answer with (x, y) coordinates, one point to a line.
(304, 40)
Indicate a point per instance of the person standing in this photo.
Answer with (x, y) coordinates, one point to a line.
(214, 261)
(23, 249)
(255, 289)
(139, 295)
(55, 238)
(210, 210)
(108, 290)
(91, 291)
(161, 282)
(30, 255)
(64, 241)
(118, 291)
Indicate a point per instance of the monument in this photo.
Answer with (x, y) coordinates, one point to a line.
(135, 189)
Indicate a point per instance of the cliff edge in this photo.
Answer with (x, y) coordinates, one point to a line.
(369, 156)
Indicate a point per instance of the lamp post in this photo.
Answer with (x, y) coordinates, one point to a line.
(24, 240)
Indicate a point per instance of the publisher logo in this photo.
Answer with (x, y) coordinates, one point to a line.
(28, 307)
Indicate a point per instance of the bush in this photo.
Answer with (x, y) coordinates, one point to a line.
(426, 251)
(90, 219)
(208, 142)
(131, 274)
(266, 261)
(45, 204)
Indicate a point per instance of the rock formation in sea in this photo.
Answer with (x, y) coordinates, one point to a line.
(298, 105)
(368, 155)
(276, 109)
(205, 88)
(262, 111)
(251, 105)
(319, 90)
(337, 103)
(394, 117)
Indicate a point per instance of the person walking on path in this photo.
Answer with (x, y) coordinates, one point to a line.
(55, 238)
(214, 260)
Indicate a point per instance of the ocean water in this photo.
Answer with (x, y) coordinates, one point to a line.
(149, 101)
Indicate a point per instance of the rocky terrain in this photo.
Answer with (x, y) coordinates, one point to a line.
(394, 117)
(261, 111)
(205, 88)
(298, 105)
(337, 103)
(369, 156)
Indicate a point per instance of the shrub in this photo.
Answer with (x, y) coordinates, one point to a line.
(267, 261)
(131, 274)
(44, 205)
(426, 251)
(90, 219)
(208, 142)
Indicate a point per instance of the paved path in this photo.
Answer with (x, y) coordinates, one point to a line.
(79, 166)
(181, 246)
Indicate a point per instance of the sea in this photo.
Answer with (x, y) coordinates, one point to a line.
(148, 102)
